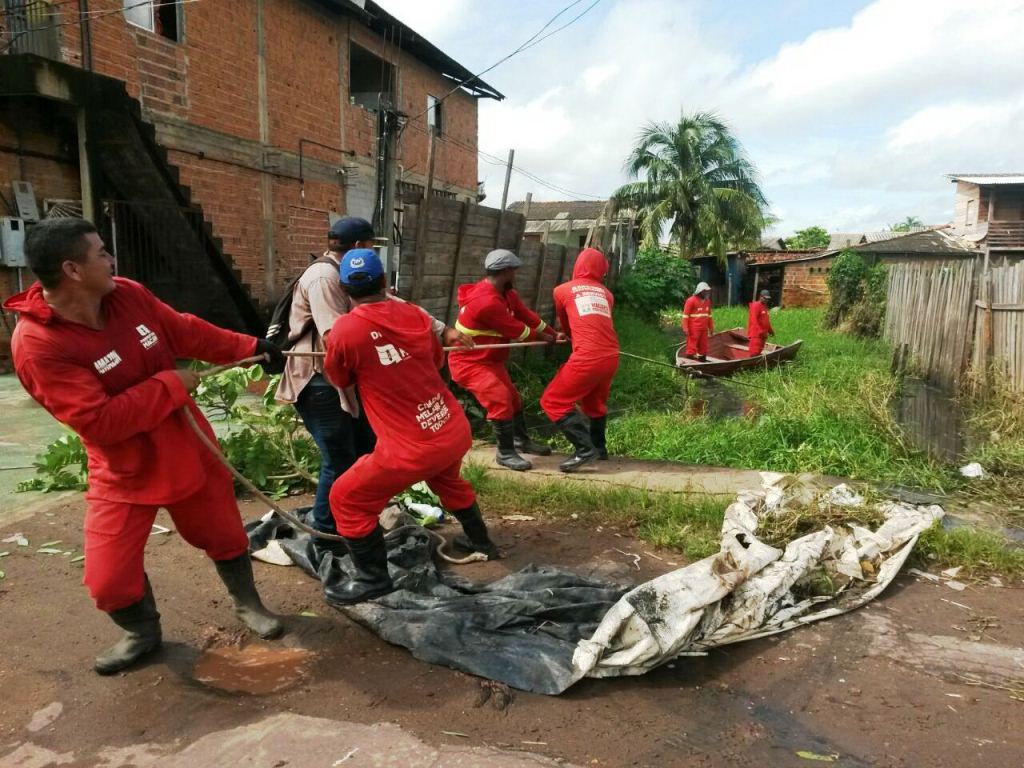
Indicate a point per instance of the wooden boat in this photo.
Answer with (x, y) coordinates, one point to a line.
(727, 353)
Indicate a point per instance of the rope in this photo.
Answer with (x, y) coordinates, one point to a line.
(510, 345)
(285, 514)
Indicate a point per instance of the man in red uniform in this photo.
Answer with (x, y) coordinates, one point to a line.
(98, 352)
(697, 322)
(584, 309)
(759, 324)
(491, 312)
(389, 348)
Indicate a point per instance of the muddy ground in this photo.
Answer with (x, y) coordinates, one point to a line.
(884, 686)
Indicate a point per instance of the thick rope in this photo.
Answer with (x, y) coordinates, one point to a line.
(509, 345)
(280, 511)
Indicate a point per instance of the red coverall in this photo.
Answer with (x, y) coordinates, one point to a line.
(492, 317)
(697, 324)
(117, 389)
(389, 348)
(584, 310)
(759, 326)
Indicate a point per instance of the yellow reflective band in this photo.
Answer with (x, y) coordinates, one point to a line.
(525, 334)
(540, 328)
(473, 332)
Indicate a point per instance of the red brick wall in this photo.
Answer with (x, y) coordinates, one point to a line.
(49, 179)
(803, 285)
(210, 79)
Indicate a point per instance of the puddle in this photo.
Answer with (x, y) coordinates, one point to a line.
(932, 421)
(253, 669)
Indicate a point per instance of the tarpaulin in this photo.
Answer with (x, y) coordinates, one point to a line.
(543, 628)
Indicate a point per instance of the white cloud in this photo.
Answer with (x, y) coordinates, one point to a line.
(851, 127)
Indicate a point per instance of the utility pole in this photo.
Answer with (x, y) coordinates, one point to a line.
(504, 196)
(421, 225)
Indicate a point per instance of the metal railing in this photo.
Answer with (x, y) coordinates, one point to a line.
(30, 26)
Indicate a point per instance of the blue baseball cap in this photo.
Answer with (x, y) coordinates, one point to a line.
(350, 229)
(360, 266)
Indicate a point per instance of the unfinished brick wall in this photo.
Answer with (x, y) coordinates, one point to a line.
(804, 285)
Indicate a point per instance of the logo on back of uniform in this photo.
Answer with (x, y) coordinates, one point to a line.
(148, 337)
(389, 354)
(107, 362)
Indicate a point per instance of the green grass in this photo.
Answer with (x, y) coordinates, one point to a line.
(691, 524)
(688, 523)
(827, 412)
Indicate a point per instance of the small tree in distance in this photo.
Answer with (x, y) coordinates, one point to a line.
(812, 237)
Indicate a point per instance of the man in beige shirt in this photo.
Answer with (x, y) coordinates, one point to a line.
(333, 417)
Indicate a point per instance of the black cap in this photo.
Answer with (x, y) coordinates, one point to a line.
(351, 229)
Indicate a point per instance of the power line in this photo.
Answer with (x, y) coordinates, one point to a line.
(529, 43)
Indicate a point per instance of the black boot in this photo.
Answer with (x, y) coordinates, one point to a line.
(507, 455)
(597, 428)
(141, 624)
(370, 558)
(522, 438)
(237, 577)
(476, 539)
(578, 434)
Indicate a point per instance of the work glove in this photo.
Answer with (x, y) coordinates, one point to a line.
(273, 356)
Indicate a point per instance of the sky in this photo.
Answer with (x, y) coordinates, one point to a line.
(852, 111)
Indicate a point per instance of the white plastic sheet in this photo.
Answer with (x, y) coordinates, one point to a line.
(747, 589)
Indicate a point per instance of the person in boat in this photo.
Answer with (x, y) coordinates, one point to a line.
(583, 307)
(491, 312)
(697, 322)
(759, 324)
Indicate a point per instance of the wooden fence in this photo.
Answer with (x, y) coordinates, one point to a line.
(458, 235)
(936, 317)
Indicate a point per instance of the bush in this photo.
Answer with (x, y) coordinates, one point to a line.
(656, 280)
(857, 296)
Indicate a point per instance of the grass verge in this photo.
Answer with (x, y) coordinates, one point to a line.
(691, 524)
(827, 412)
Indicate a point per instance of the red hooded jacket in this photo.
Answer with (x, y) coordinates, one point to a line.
(390, 350)
(758, 321)
(583, 307)
(117, 389)
(492, 317)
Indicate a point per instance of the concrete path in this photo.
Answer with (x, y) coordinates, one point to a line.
(665, 476)
(283, 739)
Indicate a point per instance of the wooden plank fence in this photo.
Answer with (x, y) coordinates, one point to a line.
(458, 236)
(936, 320)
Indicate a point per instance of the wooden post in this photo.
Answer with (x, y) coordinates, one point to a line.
(504, 196)
(589, 242)
(463, 221)
(421, 226)
(757, 276)
(539, 282)
(526, 205)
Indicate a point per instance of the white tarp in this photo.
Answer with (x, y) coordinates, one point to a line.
(747, 589)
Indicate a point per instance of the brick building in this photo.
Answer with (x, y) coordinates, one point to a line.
(213, 141)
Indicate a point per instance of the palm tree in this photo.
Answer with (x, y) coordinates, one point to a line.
(695, 179)
(909, 223)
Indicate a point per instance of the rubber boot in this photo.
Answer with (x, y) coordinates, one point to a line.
(507, 455)
(370, 558)
(141, 624)
(578, 434)
(522, 438)
(237, 577)
(476, 538)
(597, 437)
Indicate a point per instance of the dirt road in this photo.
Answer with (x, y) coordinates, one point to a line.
(881, 687)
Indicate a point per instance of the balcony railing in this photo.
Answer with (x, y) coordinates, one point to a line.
(29, 26)
(1005, 234)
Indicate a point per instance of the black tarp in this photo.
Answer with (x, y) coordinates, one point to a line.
(520, 630)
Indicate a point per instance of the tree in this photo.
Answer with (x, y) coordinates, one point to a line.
(694, 179)
(906, 225)
(812, 237)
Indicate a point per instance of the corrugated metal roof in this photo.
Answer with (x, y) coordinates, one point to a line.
(561, 209)
(929, 242)
(839, 240)
(888, 234)
(988, 179)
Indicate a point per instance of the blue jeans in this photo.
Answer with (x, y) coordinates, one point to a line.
(340, 438)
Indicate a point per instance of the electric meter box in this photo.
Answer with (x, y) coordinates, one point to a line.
(12, 242)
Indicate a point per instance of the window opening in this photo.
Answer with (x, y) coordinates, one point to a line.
(369, 79)
(160, 17)
(435, 114)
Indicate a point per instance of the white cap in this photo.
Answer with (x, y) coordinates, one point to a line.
(701, 287)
